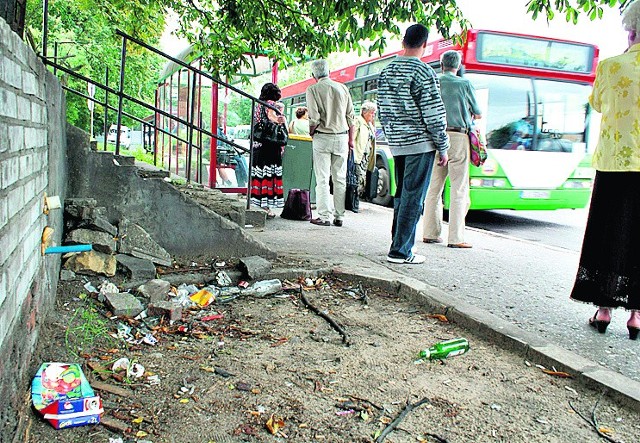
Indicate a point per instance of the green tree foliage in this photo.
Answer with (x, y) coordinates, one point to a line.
(224, 30)
(87, 43)
(572, 9)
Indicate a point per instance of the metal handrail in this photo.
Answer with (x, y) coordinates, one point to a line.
(189, 123)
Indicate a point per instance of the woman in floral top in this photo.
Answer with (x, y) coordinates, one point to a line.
(609, 271)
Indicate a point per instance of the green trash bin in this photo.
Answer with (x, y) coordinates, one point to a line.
(297, 166)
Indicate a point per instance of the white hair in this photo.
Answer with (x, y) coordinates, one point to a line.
(631, 17)
(320, 68)
(368, 107)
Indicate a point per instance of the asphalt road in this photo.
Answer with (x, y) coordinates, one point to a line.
(563, 228)
(521, 269)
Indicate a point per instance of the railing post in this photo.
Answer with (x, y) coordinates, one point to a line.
(250, 168)
(55, 58)
(123, 56)
(213, 144)
(155, 129)
(191, 114)
(106, 109)
(45, 27)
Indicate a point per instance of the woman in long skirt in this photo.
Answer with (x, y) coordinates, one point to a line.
(266, 172)
(609, 270)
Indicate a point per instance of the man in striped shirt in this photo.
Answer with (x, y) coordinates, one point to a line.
(414, 122)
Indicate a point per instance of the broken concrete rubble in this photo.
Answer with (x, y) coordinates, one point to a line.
(168, 309)
(136, 269)
(255, 266)
(92, 263)
(134, 240)
(123, 304)
(88, 224)
(101, 241)
(155, 290)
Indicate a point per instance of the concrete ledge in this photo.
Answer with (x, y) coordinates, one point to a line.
(622, 389)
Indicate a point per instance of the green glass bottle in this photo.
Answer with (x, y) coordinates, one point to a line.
(445, 349)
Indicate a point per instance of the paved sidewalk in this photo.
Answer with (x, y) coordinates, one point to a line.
(513, 290)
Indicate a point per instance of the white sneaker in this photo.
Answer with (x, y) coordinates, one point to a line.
(415, 259)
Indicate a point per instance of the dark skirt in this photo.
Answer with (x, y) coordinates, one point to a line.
(266, 176)
(609, 269)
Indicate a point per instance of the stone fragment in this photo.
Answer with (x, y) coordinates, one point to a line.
(67, 275)
(79, 208)
(101, 241)
(101, 223)
(123, 304)
(134, 240)
(136, 269)
(92, 263)
(155, 290)
(168, 309)
(255, 266)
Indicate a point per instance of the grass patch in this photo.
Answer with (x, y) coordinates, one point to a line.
(87, 328)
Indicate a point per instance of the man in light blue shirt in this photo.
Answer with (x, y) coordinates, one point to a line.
(462, 108)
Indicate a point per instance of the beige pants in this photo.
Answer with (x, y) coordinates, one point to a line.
(458, 171)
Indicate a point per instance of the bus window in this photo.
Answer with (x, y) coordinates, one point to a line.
(506, 111)
(356, 95)
(562, 115)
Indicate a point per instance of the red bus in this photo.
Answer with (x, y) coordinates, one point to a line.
(534, 95)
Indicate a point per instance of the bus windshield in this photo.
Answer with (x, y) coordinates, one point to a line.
(532, 114)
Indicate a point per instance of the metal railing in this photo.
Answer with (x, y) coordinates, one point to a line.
(196, 130)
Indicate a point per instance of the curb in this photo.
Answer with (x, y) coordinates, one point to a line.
(622, 389)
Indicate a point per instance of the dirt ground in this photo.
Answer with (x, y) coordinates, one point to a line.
(271, 370)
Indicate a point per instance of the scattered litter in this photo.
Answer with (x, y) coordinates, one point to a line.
(263, 288)
(541, 367)
(557, 373)
(212, 317)
(243, 284)
(542, 421)
(274, 424)
(347, 412)
(204, 297)
(570, 389)
(440, 317)
(63, 395)
(220, 264)
(122, 364)
(107, 287)
(89, 287)
(496, 407)
(223, 279)
(135, 370)
(153, 380)
(527, 363)
(445, 349)
(150, 339)
(116, 440)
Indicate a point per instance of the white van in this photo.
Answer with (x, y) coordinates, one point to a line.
(125, 135)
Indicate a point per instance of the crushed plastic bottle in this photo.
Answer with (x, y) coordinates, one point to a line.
(445, 349)
(263, 288)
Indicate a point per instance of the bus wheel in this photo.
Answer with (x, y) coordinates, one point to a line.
(384, 197)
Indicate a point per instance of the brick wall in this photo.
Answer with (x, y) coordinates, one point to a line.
(32, 162)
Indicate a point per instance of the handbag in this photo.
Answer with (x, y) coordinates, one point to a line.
(297, 206)
(477, 147)
(371, 184)
(352, 202)
(266, 131)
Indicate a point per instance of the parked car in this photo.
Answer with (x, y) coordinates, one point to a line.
(125, 135)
